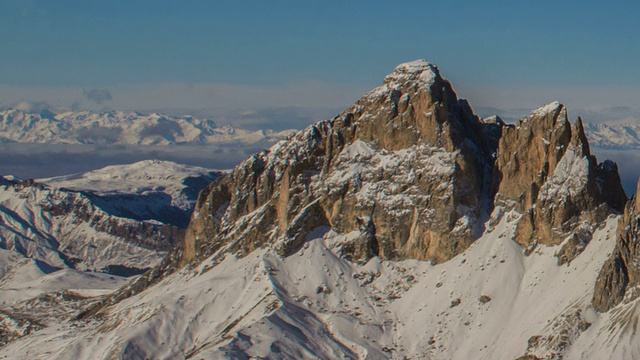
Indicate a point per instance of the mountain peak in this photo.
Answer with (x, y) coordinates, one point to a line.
(417, 71)
(551, 107)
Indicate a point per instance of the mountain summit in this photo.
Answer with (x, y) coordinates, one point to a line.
(406, 167)
(405, 227)
(417, 174)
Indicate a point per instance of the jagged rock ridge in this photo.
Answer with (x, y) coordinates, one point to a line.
(406, 166)
(416, 174)
(546, 172)
(619, 278)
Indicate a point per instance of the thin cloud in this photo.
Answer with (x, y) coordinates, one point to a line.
(32, 107)
(98, 96)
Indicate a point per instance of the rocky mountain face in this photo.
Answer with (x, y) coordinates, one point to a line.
(407, 166)
(118, 127)
(619, 279)
(413, 170)
(546, 172)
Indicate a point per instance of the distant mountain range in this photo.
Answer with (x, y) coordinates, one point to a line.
(118, 127)
(613, 136)
(135, 128)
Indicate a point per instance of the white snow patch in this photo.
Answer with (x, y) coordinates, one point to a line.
(568, 179)
(544, 110)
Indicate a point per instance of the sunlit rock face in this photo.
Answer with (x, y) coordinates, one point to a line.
(416, 174)
(407, 166)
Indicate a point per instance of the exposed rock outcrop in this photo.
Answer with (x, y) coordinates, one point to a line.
(561, 334)
(546, 172)
(620, 276)
(407, 166)
(411, 169)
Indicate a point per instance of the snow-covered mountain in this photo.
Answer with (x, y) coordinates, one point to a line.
(111, 220)
(146, 190)
(117, 127)
(405, 227)
(614, 136)
(56, 233)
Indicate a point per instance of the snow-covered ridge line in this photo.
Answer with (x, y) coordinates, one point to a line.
(264, 304)
(614, 136)
(140, 178)
(118, 127)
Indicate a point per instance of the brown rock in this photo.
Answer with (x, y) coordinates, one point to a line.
(621, 273)
(545, 171)
(455, 302)
(423, 204)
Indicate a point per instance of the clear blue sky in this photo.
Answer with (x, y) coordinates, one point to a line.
(350, 45)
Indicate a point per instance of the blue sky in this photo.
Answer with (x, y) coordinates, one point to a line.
(194, 55)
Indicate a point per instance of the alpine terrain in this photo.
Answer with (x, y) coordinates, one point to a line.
(74, 232)
(624, 135)
(405, 227)
(24, 124)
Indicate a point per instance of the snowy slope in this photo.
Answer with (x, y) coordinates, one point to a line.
(181, 183)
(31, 295)
(120, 219)
(486, 303)
(117, 127)
(117, 216)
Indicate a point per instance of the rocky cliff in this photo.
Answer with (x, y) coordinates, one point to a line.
(546, 172)
(620, 276)
(411, 172)
(406, 167)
